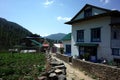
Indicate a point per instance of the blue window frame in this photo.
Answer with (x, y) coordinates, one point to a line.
(80, 35)
(116, 51)
(96, 35)
(88, 12)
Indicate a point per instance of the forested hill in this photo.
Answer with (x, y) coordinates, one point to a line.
(11, 33)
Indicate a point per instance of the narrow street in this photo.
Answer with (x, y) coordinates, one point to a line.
(72, 73)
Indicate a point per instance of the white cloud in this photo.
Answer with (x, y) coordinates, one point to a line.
(114, 9)
(105, 1)
(63, 18)
(47, 3)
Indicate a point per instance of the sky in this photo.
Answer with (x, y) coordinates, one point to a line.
(45, 17)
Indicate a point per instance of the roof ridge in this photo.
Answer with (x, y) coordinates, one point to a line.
(108, 10)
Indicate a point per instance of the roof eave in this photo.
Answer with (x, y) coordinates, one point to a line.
(112, 13)
(107, 10)
(84, 19)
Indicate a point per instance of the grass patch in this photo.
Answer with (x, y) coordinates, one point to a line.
(16, 66)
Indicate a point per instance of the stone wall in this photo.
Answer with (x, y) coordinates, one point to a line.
(103, 72)
(63, 57)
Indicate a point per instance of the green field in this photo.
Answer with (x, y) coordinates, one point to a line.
(20, 66)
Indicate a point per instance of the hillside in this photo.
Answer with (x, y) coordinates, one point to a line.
(57, 36)
(11, 33)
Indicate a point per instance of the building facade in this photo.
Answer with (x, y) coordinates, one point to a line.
(96, 33)
(67, 44)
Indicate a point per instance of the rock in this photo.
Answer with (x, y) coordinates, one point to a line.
(52, 75)
(60, 67)
(55, 63)
(51, 71)
(58, 71)
(61, 77)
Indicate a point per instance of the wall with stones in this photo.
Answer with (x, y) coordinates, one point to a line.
(62, 57)
(103, 72)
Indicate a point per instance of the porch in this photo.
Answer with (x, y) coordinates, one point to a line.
(87, 51)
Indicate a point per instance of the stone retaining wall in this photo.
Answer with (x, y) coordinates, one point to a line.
(63, 57)
(103, 72)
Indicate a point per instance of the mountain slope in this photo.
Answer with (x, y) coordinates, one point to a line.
(57, 36)
(11, 33)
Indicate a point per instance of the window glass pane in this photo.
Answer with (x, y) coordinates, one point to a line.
(115, 51)
(95, 34)
(80, 35)
(88, 12)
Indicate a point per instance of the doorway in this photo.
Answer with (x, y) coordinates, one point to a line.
(89, 53)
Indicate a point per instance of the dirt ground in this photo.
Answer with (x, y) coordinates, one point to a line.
(74, 74)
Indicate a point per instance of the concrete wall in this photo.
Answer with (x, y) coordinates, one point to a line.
(104, 49)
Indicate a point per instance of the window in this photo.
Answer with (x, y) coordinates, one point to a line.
(68, 48)
(88, 12)
(115, 51)
(80, 35)
(115, 34)
(96, 35)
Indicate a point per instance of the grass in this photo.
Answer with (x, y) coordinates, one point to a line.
(17, 66)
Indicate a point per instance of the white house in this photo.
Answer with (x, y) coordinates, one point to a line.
(67, 44)
(96, 33)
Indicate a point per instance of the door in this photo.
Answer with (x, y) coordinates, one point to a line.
(68, 49)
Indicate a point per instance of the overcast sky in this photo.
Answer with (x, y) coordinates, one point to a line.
(46, 17)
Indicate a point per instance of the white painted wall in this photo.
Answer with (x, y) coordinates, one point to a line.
(68, 42)
(104, 49)
(115, 43)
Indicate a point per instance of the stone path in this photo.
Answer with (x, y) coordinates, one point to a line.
(72, 73)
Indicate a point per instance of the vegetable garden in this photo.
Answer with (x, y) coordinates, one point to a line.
(19, 66)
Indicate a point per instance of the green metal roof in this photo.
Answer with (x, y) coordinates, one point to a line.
(86, 44)
(67, 37)
(36, 43)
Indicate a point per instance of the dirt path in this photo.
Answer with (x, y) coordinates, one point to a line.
(74, 74)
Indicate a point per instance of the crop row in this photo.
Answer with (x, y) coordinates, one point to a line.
(18, 66)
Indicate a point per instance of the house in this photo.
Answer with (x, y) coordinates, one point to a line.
(67, 44)
(30, 44)
(45, 46)
(56, 47)
(96, 34)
